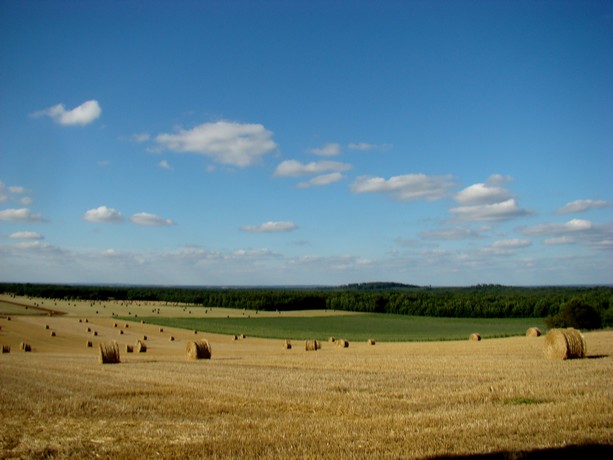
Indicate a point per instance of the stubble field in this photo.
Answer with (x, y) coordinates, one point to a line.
(254, 399)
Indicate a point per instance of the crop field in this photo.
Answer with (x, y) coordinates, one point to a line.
(255, 399)
(360, 327)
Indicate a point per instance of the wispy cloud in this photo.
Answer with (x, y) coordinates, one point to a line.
(328, 150)
(225, 142)
(582, 206)
(82, 115)
(103, 214)
(454, 233)
(504, 247)
(271, 227)
(579, 231)
(294, 168)
(406, 187)
(25, 235)
(165, 165)
(324, 179)
(150, 220)
(19, 215)
(140, 137)
(367, 146)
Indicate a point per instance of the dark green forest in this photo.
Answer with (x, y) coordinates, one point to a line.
(560, 304)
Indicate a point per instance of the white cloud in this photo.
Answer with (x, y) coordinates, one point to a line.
(164, 165)
(406, 187)
(574, 225)
(26, 236)
(504, 210)
(324, 179)
(293, 168)
(26, 200)
(367, 146)
(151, 220)
(481, 194)
(140, 137)
(80, 115)
(271, 227)
(511, 244)
(582, 206)
(17, 189)
(35, 245)
(225, 142)
(454, 233)
(328, 150)
(103, 214)
(19, 215)
(574, 231)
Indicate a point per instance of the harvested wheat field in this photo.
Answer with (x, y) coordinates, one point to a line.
(256, 399)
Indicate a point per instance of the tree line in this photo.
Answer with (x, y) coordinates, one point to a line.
(481, 301)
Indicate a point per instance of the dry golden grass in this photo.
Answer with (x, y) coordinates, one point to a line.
(254, 399)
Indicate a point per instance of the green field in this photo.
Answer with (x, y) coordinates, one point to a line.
(382, 327)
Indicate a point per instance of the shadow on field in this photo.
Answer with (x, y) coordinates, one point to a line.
(597, 356)
(587, 451)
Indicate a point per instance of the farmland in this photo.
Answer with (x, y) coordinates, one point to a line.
(396, 399)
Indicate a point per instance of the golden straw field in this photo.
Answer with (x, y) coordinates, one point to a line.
(256, 399)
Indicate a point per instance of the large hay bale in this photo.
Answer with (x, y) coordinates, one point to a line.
(474, 337)
(342, 343)
(109, 353)
(533, 332)
(566, 343)
(331, 339)
(371, 341)
(200, 349)
(287, 345)
(6, 348)
(140, 347)
(25, 346)
(312, 345)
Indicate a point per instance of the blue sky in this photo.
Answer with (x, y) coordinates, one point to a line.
(286, 142)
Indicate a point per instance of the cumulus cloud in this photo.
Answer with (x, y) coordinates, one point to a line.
(14, 192)
(80, 115)
(26, 235)
(582, 206)
(225, 142)
(19, 215)
(328, 150)
(407, 187)
(271, 227)
(487, 201)
(504, 210)
(574, 231)
(103, 214)
(481, 194)
(151, 220)
(294, 168)
(324, 179)
(511, 244)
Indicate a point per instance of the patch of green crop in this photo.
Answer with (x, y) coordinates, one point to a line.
(382, 327)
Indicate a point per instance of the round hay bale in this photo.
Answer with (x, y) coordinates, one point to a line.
(533, 332)
(114, 324)
(235, 337)
(46, 326)
(474, 337)
(563, 344)
(144, 337)
(89, 344)
(195, 332)
(89, 329)
(371, 341)
(25, 346)
(312, 345)
(141, 347)
(287, 345)
(120, 331)
(127, 326)
(109, 353)
(161, 329)
(243, 336)
(6, 348)
(172, 339)
(342, 343)
(129, 348)
(331, 339)
(200, 349)
(95, 334)
(52, 334)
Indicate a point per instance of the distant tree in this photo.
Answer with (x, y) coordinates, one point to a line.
(576, 313)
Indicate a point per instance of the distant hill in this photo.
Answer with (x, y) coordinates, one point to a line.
(379, 286)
